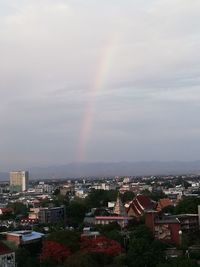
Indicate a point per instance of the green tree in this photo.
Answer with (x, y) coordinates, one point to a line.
(48, 263)
(60, 200)
(75, 212)
(143, 249)
(169, 209)
(80, 260)
(57, 191)
(143, 253)
(19, 208)
(120, 260)
(112, 231)
(45, 202)
(100, 198)
(179, 262)
(141, 231)
(66, 237)
(154, 195)
(188, 205)
(127, 196)
(24, 258)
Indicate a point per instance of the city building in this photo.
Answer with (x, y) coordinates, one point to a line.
(67, 189)
(169, 228)
(30, 240)
(121, 220)
(104, 186)
(42, 187)
(189, 222)
(166, 229)
(19, 181)
(47, 215)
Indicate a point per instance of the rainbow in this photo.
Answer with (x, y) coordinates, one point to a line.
(103, 68)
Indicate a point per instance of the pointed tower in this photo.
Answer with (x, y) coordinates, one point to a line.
(119, 208)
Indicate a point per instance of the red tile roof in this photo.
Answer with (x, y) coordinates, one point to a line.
(139, 204)
(145, 202)
(135, 210)
(6, 210)
(162, 203)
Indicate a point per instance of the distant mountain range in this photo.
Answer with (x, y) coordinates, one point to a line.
(74, 170)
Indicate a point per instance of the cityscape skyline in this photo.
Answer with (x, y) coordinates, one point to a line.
(98, 81)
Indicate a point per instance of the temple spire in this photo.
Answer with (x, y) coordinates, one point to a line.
(119, 208)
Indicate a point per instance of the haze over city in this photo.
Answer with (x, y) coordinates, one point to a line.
(92, 81)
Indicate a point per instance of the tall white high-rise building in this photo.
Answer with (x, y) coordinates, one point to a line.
(19, 181)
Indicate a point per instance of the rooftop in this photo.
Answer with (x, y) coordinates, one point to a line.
(26, 235)
(112, 218)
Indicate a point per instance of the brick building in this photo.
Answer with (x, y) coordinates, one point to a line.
(166, 229)
(169, 228)
(22, 238)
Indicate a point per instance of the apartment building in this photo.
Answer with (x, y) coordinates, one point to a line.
(19, 181)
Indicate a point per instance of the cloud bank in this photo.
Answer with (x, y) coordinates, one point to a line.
(130, 69)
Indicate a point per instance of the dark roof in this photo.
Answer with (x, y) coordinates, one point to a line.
(168, 220)
(184, 216)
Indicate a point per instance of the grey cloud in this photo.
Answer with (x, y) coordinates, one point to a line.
(135, 64)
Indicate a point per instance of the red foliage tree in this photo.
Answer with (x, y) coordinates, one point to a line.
(100, 244)
(54, 251)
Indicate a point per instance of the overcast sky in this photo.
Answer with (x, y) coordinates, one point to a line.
(99, 80)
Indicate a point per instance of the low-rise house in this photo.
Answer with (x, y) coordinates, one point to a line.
(34, 214)
(121, 220)
(23, 237)
(81, 192)
(111, 204)
(88, 232)
(67, 189)
(36, 203)
(124, 188)
(30, 240)
(174, 194)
